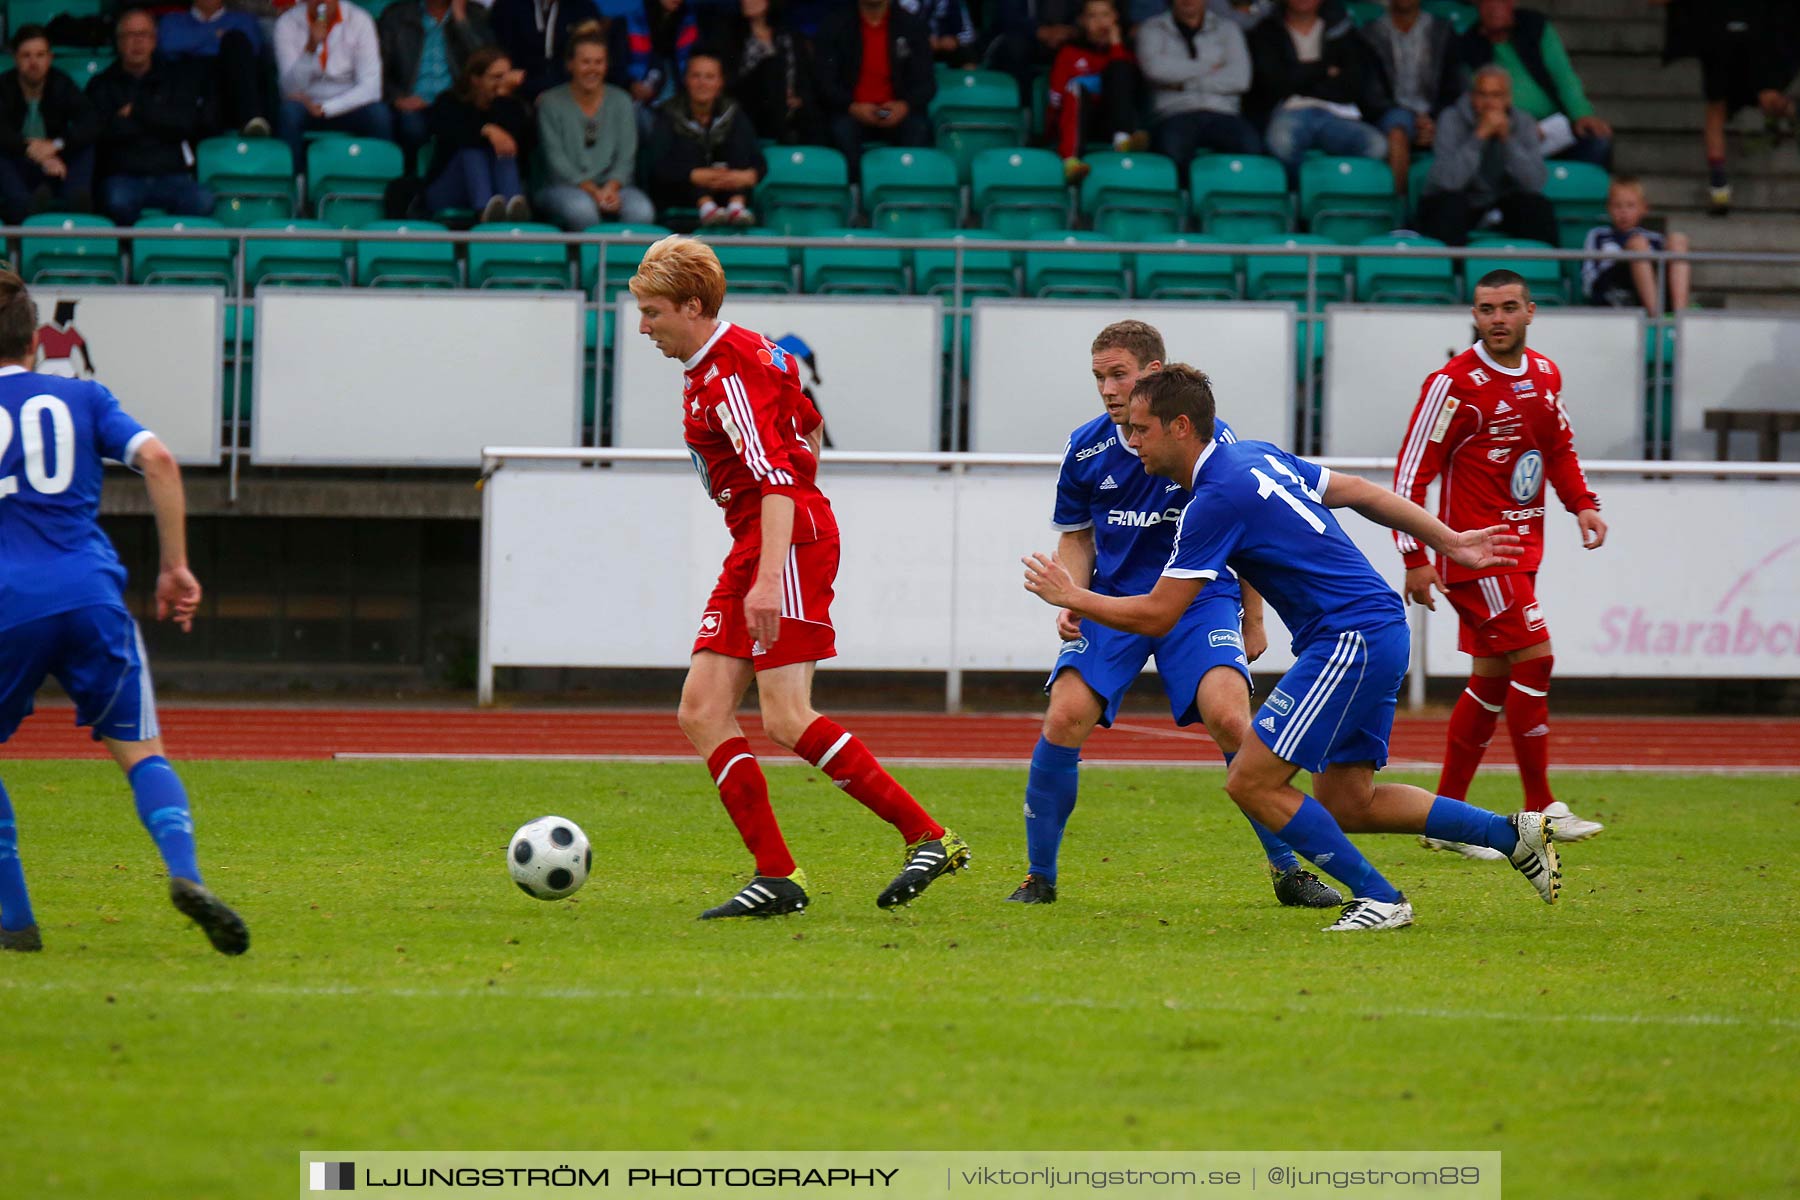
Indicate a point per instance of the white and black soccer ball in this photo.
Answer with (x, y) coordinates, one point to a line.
(549, 858)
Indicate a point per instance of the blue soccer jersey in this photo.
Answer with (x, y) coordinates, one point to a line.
(1103, 486)
(54, 434)
(1258, 509)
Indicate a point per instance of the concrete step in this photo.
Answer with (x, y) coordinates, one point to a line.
(1561, 11)
(1748, 301)
(1630, 115)
(1637, 75)
(1675, 191)
(1611, 35)
(1672, 152)
(1745, 278)
(1740, 231)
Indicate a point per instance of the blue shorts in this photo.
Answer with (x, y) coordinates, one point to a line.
(1400, 118)
(97, 654)
(1336, 703)
(1208, 635)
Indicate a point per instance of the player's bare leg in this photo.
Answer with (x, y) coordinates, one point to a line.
(1223, 698)
(785, 694)
(1052, 784)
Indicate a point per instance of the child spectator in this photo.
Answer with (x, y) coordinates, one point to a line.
(1094, 88)
(1613, 284)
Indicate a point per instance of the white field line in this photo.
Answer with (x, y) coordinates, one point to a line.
(349, 991)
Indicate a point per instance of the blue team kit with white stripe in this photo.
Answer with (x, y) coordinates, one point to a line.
(1103, 486)
(1260, 509)
(62, 608)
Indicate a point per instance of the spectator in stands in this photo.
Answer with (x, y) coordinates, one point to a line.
(1415, 61)
(769, 68)
(481, 131)
(703, 151)
(875, 77)
(1544, 81)
(47, 131)
(1198, 67)
(1094, 89)
(328, 62)
(663, 33)
(1489, 168)
(228, 47)
(1024, 36)
(424, 44)
(587, 134)
(1313, 87)
(1614, 284)
(535, 35)
(150, 113)
(1749, 51)
(1245, 14)
(952, 29)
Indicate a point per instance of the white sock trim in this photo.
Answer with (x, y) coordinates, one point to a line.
(720, 781)
(1493, 708)
(832, 753)
(1530, 691)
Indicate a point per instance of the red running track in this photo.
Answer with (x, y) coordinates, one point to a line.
(1653, 743)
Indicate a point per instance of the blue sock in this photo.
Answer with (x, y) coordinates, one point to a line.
(1453, 821)
(1049, 799)
(1281, 855)
(15, 902)
(1314, 833)
(162, 806)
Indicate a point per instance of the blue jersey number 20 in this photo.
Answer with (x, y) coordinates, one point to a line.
(31, 441)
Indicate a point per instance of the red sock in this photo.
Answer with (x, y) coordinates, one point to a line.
(1528, 720)
(843, 757)
(745, 794)
(1472, 724)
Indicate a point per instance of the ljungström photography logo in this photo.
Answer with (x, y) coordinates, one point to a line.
(333, 1176)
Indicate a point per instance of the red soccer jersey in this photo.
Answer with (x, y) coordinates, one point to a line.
(1494, 435)
(745, 420)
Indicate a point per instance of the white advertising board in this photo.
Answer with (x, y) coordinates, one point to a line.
(1732, 360)
(1032, 378)
(874, 368)
(419, 379)
(1378, 358)
(157, 350)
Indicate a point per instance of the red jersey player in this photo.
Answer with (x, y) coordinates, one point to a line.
(1492, 424)
(754, 437)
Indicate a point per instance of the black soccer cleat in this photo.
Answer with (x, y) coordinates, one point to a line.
(925, 861)
(1035, 890)
(1297, 887)
(223, 928)
(21, 939)
(764, 896)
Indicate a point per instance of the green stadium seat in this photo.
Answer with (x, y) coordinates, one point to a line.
(1461, 16)
(251, 179)
(347, 178)
(204, 262)
(1544, 276)
(958, 77)
(1419, 278)
(1284, 276)
(984, 272)
(293, 262)
(1348, 199)
(767, 270)
(72, 259)
(1240, 197)
(518, 263)
(1173, 275)
(1415, 181)
(1019, 192)
(1578, 190)
(20, 13)
(81, 65)
(906, 191)
(1365, 12)
(417, 262)
(975, 115)
(1131, 197)
(1091, 275)
(807, 189)
(622, 258)
(835, 264)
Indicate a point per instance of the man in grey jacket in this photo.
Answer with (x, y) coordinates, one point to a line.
(1198, 68)
(1489, 161)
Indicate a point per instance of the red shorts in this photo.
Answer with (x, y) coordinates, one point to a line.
(806, 633)
(1500, 614)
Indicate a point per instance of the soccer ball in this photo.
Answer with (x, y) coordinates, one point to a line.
(549, 858)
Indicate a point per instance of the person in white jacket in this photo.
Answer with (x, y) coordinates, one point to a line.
(1198, 68)
(328, 61)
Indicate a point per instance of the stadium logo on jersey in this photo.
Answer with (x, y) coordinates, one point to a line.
(1479, 376)
(709, 623)
(1528, 476)
(1225, 637)
(1534, 617)
(1141, 520)
(1500, 455)
(1281, 702)
(1108, 483)
(1088, 452)
(1268, 723)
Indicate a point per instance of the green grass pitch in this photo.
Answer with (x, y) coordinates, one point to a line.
(1640, 1039)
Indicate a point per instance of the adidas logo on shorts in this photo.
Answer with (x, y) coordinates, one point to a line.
(1268, 723)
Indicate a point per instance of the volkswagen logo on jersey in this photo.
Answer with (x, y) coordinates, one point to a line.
(1528, 476)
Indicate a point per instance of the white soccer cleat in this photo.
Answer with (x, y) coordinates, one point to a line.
(1462, 848)
(1364, 913)
(1535, 856)
(1565, 826)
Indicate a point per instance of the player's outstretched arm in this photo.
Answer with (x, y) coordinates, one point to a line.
(1476, 549)
(1152, 614)
(177, 591)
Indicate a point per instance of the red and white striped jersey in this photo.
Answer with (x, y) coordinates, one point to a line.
(745, 419)
(1493, 435)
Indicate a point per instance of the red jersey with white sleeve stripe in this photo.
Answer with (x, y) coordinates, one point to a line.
(745, 419)
(1494, 435)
